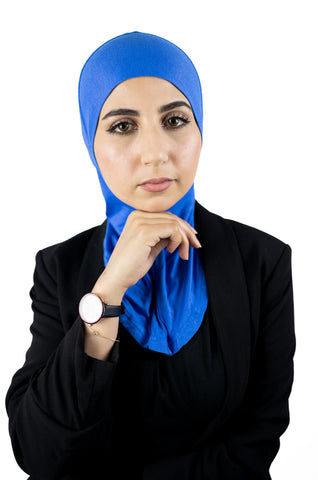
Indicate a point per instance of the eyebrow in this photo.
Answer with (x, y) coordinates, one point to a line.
(172, 105)
(121, 111)
(135, 113)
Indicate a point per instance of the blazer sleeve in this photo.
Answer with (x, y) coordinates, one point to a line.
(251, 438)
(58, 400)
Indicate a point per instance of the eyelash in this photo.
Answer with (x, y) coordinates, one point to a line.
(183, 119)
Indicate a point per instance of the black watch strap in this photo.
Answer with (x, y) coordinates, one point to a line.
(113, 310)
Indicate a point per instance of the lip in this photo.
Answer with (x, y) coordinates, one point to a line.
(156, 184)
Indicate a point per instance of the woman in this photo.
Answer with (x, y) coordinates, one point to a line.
(180, 363)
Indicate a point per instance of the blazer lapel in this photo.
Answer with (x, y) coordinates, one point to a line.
(228, 299)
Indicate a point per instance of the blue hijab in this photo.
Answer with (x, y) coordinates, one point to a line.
(165, 308)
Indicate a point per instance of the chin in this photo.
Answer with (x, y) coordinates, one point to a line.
(156, 204)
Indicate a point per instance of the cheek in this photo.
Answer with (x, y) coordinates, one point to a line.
(189, 154)
(111, 161)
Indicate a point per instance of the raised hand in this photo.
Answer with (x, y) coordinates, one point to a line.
(144, 236)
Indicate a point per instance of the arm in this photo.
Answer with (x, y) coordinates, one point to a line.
(142, 239)
(60, 398)
(251, 439)
(59, 403)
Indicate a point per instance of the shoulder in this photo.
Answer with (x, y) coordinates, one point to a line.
(260, 248)
(257, 248)
(73, 250)
(250, 238)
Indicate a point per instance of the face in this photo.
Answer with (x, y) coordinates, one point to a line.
(147, 143)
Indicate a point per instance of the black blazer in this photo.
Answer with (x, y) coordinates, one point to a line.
(59, 402)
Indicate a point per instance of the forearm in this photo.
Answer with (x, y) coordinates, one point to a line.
(100, 339)
(59, 406)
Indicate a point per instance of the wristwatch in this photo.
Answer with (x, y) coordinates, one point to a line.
(92, 309)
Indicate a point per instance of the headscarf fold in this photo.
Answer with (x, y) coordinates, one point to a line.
(165, 308)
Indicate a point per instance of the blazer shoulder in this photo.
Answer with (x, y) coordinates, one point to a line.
(73, 249)
(257, 248)
(251, 236)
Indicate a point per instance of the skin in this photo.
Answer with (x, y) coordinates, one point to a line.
(151, 139)
(150, 145)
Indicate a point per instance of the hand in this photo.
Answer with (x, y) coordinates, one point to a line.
(144, 236)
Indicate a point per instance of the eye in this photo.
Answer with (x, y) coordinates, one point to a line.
(175, 121)
(121, 127)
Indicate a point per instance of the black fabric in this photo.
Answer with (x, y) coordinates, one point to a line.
(215, 410)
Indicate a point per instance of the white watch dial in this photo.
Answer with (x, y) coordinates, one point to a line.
(91, 308)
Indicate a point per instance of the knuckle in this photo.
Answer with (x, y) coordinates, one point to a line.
(134, 214)
(175, 228)
(135, 218)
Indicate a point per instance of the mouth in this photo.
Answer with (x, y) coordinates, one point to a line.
(156, 184)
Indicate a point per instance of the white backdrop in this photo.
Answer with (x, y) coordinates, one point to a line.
(258, 64)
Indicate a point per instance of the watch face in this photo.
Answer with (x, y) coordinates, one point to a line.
(90, 308)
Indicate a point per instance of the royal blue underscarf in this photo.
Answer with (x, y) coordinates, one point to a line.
(165, 308)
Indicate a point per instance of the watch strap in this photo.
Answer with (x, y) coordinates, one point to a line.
(113, 310)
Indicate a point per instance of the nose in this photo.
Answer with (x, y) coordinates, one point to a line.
(153, 148)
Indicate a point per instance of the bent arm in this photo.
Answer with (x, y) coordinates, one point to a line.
(60, 398)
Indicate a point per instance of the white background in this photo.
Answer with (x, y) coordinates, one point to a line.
(258, 64)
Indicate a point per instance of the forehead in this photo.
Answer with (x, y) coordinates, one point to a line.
(141, 90)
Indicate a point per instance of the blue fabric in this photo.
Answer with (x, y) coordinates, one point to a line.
(165, 308)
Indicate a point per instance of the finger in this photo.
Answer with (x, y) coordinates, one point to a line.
(180, 237)
(158, 248)
(184, 247)
(189, 240)
(180, 240)
(173, 233)
(175, 241)
(190, 232)
(165, 225)
(186, 225)
(161, 217)
(194, 242)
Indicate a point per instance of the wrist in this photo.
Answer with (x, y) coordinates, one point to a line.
(108, 289)
(109, 297)
(92, 309)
